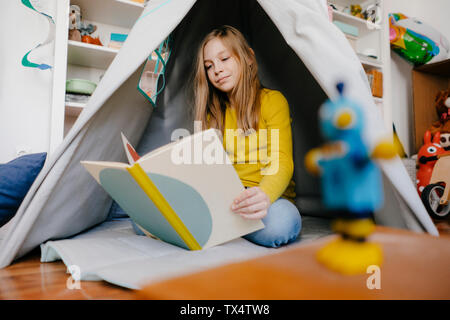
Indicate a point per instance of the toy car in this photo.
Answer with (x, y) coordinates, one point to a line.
(435, 195)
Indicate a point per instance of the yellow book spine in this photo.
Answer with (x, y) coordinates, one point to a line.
(147, 185)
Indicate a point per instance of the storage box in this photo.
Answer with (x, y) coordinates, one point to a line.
(347, 28)
(375, 78)
(117, 40)
(427, 81)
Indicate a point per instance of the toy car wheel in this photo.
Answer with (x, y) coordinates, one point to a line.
(431, 195)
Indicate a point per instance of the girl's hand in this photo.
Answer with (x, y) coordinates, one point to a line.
(252, 203)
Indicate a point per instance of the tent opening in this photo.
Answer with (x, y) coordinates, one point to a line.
(279, 68)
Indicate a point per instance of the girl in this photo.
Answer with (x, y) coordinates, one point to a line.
(229, 97)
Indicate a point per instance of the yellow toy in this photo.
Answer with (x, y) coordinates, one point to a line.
(356, 11)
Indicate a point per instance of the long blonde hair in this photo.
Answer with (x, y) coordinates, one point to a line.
(210, 103)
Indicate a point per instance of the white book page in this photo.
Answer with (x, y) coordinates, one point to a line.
(217, 183)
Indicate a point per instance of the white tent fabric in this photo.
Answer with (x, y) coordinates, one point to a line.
(65, 201)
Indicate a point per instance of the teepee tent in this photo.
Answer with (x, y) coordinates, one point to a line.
(299, 52)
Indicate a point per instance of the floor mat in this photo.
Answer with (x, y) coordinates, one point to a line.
(112, 252)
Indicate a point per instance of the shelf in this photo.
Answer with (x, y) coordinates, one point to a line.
(349, 2)
(378, 100)
(370, 62)
(132, 3)
(123, 13)
(345, 17)
(73, 109)
(83, 60)
(90, 55)
(75, 104)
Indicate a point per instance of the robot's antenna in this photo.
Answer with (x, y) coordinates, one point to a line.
(340, 88)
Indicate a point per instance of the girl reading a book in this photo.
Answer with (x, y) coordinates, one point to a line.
(230, 98)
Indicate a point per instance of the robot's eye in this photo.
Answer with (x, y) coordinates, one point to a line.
(431, 149)
(344, 118)
(443, 139)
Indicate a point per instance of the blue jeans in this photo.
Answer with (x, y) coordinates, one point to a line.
(283, 224)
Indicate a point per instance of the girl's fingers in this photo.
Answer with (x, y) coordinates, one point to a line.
(248, 202)
(255, 207)
(253, 216)
(247, 193)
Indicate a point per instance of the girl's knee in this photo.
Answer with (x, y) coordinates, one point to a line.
(285, 216)
(282, 225)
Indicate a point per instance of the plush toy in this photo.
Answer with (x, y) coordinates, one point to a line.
(426, 159)
(356, 11)
(86, 30)
(442, 105)
(77, 28)
(74, 23)
(372, 13)
(351, 185)
(91, 40)
(445, 141)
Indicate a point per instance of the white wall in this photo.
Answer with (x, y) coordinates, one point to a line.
(436, 13)
(25, 93)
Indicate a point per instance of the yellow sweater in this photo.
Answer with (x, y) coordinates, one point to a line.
(269, 163)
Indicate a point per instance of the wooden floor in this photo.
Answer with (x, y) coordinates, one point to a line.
(28, 278)
(443, 226)
(415, 266)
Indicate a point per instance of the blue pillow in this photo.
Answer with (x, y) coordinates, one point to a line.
(16, 178)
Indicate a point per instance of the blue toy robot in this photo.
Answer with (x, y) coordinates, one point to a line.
(351, 184)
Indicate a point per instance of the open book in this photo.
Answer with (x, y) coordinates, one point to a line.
(180, 193)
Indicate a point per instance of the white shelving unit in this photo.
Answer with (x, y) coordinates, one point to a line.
(345, 17)
(90, 55)
(374, 36)
(79, 60)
